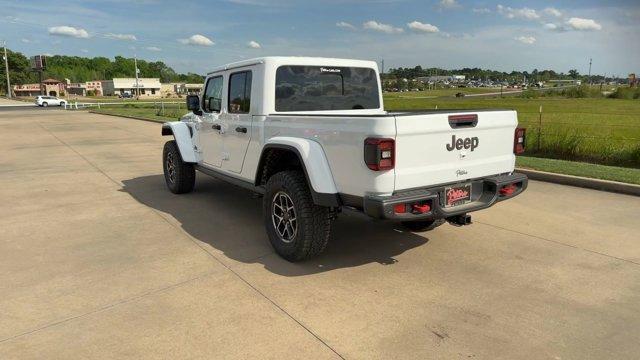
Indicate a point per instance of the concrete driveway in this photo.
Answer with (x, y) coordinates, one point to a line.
(99, 260)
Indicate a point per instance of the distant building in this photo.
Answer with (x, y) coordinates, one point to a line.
(174, 89)
(147, 87)
(93, 88)
(50, 87)
(566, 82)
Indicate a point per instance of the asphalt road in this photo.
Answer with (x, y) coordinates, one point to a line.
(99, 260)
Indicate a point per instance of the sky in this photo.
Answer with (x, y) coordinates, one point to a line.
(197, 36)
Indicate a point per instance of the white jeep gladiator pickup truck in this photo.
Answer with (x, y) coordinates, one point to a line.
(312, 137)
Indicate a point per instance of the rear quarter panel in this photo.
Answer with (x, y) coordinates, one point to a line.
(342, 139)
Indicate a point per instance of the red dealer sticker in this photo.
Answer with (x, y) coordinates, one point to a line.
(457, 195)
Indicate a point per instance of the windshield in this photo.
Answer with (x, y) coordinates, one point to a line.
(313, 88)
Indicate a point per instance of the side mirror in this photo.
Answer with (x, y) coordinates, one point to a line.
(193, 104)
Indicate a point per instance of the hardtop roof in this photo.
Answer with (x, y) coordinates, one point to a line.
(274, 61)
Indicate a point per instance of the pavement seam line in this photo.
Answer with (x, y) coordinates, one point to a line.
(197, 243)
(559, 243)
(108, 306)
(81, 156)
(203, 249)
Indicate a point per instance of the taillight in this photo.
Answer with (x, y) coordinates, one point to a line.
(379, 154)
(519, 140)
(508, 190)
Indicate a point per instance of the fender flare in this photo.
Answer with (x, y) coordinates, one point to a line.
(182, 134)
(314, 164)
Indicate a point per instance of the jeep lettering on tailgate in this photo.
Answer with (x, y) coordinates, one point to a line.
(466, 143)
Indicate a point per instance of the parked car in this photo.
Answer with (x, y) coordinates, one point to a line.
(284, 128)
(45, 101)
(126, 95)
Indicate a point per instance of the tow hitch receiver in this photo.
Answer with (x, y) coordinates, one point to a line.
(460, 220)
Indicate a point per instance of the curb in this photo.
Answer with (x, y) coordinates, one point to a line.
(159, 121)
(597, 184)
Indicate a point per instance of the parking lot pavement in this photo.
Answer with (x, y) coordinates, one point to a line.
(98, 259)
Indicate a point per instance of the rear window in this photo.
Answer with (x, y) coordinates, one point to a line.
(312, 88)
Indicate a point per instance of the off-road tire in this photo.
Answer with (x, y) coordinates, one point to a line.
(313, 221)
(423, 225)
(179, 175)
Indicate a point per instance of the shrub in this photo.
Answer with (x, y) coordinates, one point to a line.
(626, 93)
(583, 91)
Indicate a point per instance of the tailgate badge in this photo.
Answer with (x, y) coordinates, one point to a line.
(459, 143)
(461, 172)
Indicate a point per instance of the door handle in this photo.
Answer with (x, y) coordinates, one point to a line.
(241, 129)
(216, 127)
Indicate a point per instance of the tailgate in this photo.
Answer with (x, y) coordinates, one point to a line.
(431, 149)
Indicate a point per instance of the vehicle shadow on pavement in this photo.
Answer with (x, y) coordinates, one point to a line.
(229, 219)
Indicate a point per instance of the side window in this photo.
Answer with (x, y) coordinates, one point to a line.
(212, 99)
(240, 92)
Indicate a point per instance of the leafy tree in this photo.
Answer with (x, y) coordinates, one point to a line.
(81, 69)
(573, 73)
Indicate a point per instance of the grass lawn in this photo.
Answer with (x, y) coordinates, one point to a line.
(440, 93)
(145, 113)
(600, 130)
(605, 128)
(613, 173)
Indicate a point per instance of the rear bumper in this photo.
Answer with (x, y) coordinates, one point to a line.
(485, 193)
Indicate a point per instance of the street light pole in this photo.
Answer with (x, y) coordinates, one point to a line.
(6, 67)
(135, 62)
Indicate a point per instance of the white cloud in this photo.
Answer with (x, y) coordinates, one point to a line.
(583, 24)
(554, 27)
(481, 10)
(526, 39)
(385, 28)
(197, 40)
(84, 50)
(26, 41)
(153, 48)
(125, 37)
(553, 12)
(68, 31)
(524, 13)
(421, 27)
(449, 4)
(253, 45)
(345, 25)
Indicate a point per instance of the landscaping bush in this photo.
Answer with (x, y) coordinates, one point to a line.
(626, 93)
(583, 91)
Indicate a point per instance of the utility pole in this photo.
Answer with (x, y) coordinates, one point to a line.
(589, 71)
(135, 62)
(6, 67)
(382, 66)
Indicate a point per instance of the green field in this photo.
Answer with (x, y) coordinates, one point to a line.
(612, 173)
(142, 110)
(596, 131)
(600, 130)
(447, 92)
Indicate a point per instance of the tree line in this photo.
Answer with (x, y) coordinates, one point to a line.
(482, 74)
(82, 69)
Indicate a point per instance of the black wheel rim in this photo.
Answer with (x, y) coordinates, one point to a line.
(171, 167)
(284, 217)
